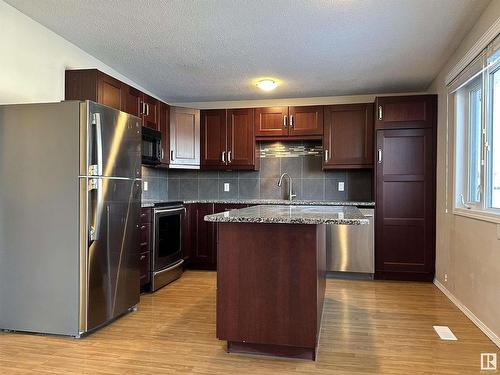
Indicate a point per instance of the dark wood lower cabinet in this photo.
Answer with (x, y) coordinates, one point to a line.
(199, 238)
(406, 211)
(270, 288)
(202, 238)
(145, 247)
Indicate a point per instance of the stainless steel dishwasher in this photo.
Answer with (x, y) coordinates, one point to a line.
(350, 248)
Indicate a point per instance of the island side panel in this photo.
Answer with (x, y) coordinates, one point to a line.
(268, 284)
(321, 267)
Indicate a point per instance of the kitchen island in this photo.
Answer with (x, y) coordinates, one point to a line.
(271, 276)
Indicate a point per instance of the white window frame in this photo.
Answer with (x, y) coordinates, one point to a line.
(489, 136)
(461, 146)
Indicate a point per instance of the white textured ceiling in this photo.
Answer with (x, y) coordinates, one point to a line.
(206, 50)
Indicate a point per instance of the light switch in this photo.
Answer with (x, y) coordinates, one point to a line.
(145, 186)
(226, 186)
(341, 186)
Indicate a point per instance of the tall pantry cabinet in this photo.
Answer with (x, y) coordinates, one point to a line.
(405, 187)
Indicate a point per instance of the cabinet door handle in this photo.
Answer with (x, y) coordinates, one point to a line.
(147, 109)
(380, 112)
(379, 156)
(172, 155)
(326, 155)
(291, 121)
(143, 227)
(229, 156)
(285, 121)
(162, 153)
(141, 108)
(224, 157)
(142, 257)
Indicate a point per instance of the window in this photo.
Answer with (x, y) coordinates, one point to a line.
(494, 148)
(475, 99)
(474, 144)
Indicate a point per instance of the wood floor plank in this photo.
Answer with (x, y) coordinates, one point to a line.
(369, 327)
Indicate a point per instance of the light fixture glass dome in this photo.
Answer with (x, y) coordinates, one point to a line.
(267, 84)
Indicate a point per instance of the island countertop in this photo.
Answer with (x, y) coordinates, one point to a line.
(279, 214)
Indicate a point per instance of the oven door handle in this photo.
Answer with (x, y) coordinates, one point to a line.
(169, 210)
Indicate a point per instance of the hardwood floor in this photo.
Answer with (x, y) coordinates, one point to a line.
(369, 327)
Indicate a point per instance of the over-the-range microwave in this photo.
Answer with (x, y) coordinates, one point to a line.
(151, 146)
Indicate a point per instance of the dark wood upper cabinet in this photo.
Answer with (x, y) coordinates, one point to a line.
(213, 138)
(397, 112)
(150, 112)
(241, 146)
(348, 136)
(111, 92)
(164, 119)
(271, 121)
(228, 139)
(133, 102)
(91, 84)
(289, 122)
(306, 120)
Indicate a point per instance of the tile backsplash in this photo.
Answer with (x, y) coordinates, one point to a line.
(301, 160)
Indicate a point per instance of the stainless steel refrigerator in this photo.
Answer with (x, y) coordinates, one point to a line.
(70, 190)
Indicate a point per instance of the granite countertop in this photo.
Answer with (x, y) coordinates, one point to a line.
(281, 214)
(151, 203)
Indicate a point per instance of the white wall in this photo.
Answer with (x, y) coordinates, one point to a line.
(468, 250)
(33, 60)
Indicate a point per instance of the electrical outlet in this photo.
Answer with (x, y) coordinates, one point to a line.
(445, 277)
(341, 186)
(226, 186)
(145, 186)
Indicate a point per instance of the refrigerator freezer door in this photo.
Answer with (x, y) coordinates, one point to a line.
(110, 274)
(110, 142)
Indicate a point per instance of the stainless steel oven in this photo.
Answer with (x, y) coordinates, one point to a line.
(167, 254)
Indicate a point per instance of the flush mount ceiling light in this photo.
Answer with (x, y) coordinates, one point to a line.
(267, 84)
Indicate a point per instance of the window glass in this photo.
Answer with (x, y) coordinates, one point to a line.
(495, 140)
(474, 134)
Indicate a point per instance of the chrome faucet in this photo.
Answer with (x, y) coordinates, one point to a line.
(290, 191)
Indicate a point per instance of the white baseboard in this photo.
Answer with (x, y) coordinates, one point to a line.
(488, 332)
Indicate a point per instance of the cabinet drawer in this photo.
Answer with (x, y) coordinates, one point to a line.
(144, 267)
(145, 216)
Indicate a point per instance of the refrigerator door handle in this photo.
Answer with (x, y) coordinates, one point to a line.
(95, 188)
(96, 170)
